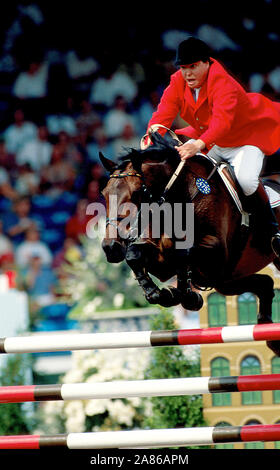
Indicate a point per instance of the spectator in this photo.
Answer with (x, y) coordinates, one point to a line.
(133, 68)
(88, 119)
(37, 152)
(27, 182)
(59, 175)
(17, 221)
(107, 87)
(93, 192)
(216, 38)
(76, 225)
(6, 246)
(69, 149)
(7, 160)
(61, 122)
(117, 118)
(32, 83)
(6, 189)
(100, 143)
(39, 281)
(70, 252)
(126, 141)
(32, 246)
(19, 132)
(80, 65)
(31, 89)
(98, 173)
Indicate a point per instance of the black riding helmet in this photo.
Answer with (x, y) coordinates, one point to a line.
(192, 50)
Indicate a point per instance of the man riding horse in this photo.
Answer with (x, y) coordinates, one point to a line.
(224, 121)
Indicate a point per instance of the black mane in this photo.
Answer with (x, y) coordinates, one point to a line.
(162, 149)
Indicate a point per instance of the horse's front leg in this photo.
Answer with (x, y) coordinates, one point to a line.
(208, 257)
(166, 297)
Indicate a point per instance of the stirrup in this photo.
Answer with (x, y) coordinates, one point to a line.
(275, 244)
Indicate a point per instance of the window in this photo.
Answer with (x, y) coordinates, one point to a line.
(217, 310)
(275, 369)
(276, 307)
(251, 366)
(247, 309)
(253, 445)
(220, 367)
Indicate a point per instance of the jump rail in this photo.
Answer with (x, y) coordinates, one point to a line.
(146, 438)
(139, 388)
(139, 339)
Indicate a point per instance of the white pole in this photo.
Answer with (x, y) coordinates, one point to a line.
(149, 438)
(136, 388)
(71, 342)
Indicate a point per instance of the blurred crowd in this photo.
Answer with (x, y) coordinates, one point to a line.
(62, 101)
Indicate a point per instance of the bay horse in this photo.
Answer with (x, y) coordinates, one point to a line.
(225, 255)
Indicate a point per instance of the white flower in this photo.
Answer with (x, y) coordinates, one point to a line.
(121, 412)
(75, 416)
(96, 407)
(100, 366)
(73, 375)
(118, 300)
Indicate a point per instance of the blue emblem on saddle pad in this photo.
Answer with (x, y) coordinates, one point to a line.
(203, 186)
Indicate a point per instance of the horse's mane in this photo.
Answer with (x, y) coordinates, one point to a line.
(162, 149)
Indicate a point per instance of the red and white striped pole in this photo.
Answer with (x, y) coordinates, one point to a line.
(139, 388)
(146, 438)
(139, 339)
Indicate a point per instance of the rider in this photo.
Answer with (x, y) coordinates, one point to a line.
(224, 120)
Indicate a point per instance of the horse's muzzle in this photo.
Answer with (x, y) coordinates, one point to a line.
(114, 251)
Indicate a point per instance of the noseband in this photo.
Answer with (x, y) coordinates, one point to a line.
(112, 220)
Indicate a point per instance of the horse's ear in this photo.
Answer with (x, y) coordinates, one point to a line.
(158, 139)
(136, 160)
(109, 165)
(163, 142)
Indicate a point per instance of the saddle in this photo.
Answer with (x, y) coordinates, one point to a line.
(227, 174)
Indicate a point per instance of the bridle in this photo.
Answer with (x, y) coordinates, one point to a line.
(112, 220)
(146, 193)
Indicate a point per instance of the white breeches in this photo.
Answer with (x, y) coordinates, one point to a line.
(247, 162)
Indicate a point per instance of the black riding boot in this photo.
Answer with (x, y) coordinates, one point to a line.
(259, 206)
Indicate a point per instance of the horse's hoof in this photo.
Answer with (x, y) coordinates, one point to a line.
(169, 296)
(274, 346)
(192, 301)
(153, 297)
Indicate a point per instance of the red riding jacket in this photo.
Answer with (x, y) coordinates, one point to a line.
(224, 114)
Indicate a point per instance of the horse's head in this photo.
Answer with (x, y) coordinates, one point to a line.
(120, 191)
(137, 177)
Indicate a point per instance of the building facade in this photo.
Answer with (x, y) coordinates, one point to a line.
(241, 358)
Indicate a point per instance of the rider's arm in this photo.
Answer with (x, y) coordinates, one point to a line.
(170, 103)
(224, 99)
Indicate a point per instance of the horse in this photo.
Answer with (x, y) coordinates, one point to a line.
(225, 255)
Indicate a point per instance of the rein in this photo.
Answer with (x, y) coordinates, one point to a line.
(113, 220)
